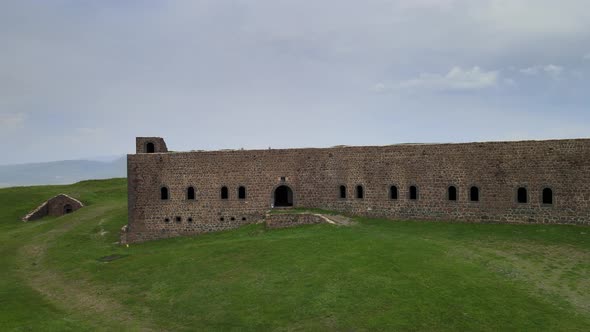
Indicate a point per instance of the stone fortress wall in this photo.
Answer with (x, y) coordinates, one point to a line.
(493, 182)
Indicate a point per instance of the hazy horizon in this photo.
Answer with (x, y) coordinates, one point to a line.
(110, 159)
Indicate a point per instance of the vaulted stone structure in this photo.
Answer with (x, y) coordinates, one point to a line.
(55, 206)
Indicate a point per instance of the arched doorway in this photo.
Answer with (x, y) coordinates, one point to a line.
(150, 148)
(283, 196)
(68, 209)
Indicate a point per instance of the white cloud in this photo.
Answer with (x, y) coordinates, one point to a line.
(551, 70)
(12, 120)
(531, 70)
(509, 82)
(380, 87)
(456, 79)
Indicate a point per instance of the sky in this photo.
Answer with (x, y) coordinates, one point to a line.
(80, 79)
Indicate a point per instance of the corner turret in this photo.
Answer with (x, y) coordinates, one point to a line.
(150, 145)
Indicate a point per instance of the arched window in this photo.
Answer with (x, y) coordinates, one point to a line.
(360, 192)
(522, 195)
(393, 192)
(164, 193)
(150, 148)
(474, 194)
(242, 192)
(452, 193)
(224, 193)
(547, 196)
(190, 193)
(342, 191)
(413, 193)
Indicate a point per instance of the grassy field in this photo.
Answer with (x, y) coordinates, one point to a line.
(375, 275)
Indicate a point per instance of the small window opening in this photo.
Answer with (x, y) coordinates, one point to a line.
(164, 193)
(224, 193)
(190, 220)
(190, 193)
(342, 191)
(360, 192)
(166, 220)
(150, 148)
(243, 218)
(474, 194)
(222, 219)
(413, 193)
(178, 219)
(283, 179)
(452, 193)
(242, 192)
(393, 193)
(547, 196)
(232, 218)
(522, 195)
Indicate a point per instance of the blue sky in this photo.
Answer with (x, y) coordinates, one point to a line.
(82, 79)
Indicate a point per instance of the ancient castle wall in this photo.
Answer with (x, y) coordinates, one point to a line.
(497, 169)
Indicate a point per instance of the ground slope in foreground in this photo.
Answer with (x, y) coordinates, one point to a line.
(68, 273)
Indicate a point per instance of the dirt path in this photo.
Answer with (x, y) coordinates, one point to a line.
(338, 219)
(76, 297)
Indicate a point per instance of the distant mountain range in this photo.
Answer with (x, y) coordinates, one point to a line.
(61, 172)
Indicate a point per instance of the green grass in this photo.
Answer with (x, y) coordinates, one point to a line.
(374, 275)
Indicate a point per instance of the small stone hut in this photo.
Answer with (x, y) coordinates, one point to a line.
(55, 206)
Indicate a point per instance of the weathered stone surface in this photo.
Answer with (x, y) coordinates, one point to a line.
(498, 169)
(292, 220)
(141, 144)
(55, 206)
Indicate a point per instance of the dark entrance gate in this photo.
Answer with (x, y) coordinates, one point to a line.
(283, 196)
(68, 209)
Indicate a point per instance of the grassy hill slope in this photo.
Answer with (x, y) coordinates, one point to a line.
(68, 273)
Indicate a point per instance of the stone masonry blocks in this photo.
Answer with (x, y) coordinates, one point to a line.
(315, 175)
